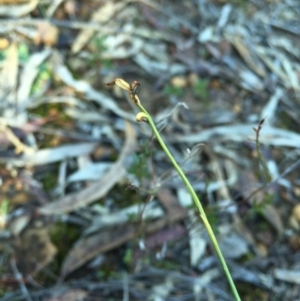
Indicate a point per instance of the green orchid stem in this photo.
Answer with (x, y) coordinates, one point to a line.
(196, 201)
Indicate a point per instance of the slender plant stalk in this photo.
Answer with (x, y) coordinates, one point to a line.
(145, 116)
(259, 153)
(196, 201)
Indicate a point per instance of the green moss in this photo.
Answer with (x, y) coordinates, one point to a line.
(107, 272)
(46, 108)
(3, 292)
(98, 46)
(171, 90)
(4, 207)
(122, 197)
(200, 89)
(258, 208)
(167, 264)
(286, 122)
(50, 179)
(63, 236)
(62, 121)
(140, 164)
(247, 257)
(249, 292)
(128, 257)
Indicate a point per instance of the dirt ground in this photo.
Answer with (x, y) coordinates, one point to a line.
(91, 208)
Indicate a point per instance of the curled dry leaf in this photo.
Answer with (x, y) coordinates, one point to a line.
(196, 149)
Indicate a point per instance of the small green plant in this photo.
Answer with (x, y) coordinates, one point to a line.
(98, 43)
(260, 156)
(171, 90)
(200, 89)
(259, 207)
(128, 257)
(23, 53)
(144, 116)
(262, 161)
(139, 166)
(43, 76)
(4, 207)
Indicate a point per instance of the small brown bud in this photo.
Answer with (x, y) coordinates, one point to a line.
(121, 84)
(134, 98)
(134, 87)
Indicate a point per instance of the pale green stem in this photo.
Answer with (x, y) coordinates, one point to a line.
(197, 203)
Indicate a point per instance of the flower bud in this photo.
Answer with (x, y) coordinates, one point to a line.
(141, 116)
(134, 98)
(134, 87)
(121, 84)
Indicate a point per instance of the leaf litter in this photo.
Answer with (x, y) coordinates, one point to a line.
(68, 143)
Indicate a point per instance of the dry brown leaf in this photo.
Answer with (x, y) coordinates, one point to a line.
(265, 55)
(70, 7)
(89, 247)
(296, 212)
(34, 250)
(47, 34)
(249, 57)
(98, 189)
(3, 43)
